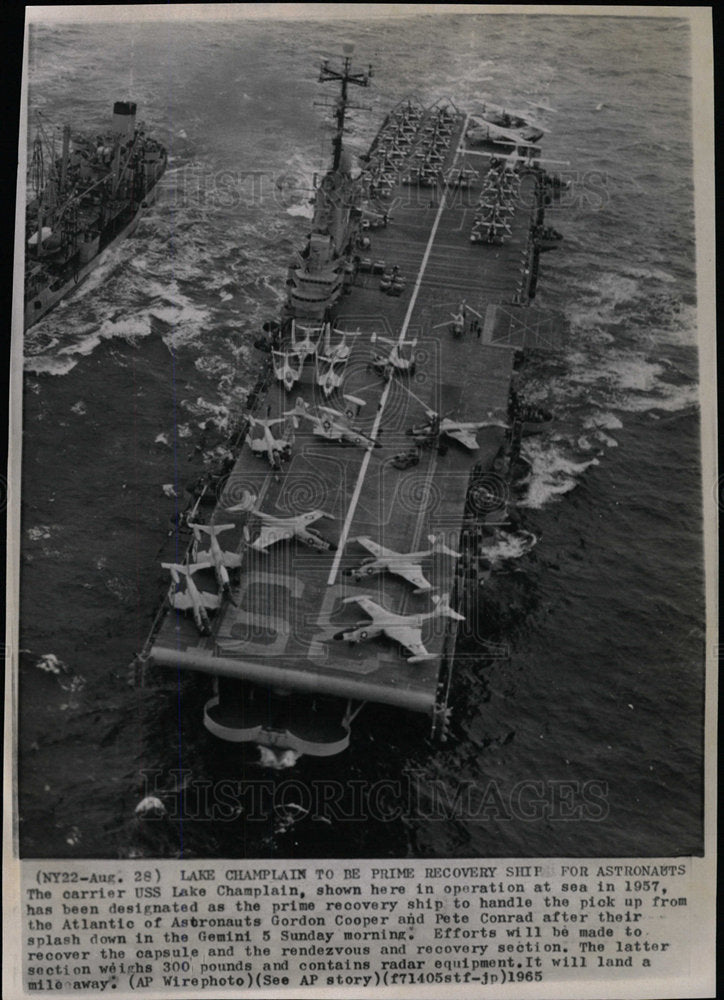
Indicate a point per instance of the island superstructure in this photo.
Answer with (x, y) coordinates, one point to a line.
(381, 439)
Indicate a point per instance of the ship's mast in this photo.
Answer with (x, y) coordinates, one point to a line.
(64, 160)
(345, 76)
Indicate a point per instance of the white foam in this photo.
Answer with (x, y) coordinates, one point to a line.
(161, 439)
(669, 398)
(169, 490)
(168, 291)
(682, 326)
(204, 409)
(552, 473)
(50, 361)
(507, 545)
(217, 455)
(598, 302)
(184, 319)
(214, 366)
(277, 760)
(606, 440)
(128, 328)
(636, 373)
(40, 531)
(79, 408)
(614, 288)
(51, 664)
(629, 381)
(627, 372)
(609, 421)
(242, 352)
(648, 273)
(40, 364)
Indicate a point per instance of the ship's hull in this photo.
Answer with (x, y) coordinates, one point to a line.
(40, 304)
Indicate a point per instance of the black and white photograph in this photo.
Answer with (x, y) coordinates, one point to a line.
(367, 434)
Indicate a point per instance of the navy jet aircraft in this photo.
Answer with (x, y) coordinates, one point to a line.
(404, 629)
(192, 598)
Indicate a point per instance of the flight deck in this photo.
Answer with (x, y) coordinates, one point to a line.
(460, 315)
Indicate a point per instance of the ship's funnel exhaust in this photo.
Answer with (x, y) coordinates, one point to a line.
(124, 118)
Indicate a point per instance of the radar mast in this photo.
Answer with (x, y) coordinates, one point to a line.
(345, 76)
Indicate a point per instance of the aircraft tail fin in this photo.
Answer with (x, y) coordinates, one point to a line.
(374, 337)
(442, 607)
(200, 527)
(175, 567)
(246, 540)
(184, 570)
(211, 529)
(300, 410)
(195, 567)
(438, 545)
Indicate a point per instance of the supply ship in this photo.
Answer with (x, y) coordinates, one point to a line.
(333, 560)
(83, 201)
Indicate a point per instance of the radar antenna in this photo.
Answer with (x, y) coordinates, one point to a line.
(345, 76)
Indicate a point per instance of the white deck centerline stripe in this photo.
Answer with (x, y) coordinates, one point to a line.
(354, 500)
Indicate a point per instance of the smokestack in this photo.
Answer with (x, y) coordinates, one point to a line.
(124, 118)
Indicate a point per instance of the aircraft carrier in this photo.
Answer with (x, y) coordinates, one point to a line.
(326, 566)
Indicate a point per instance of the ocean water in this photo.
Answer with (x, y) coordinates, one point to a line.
(577, 723)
